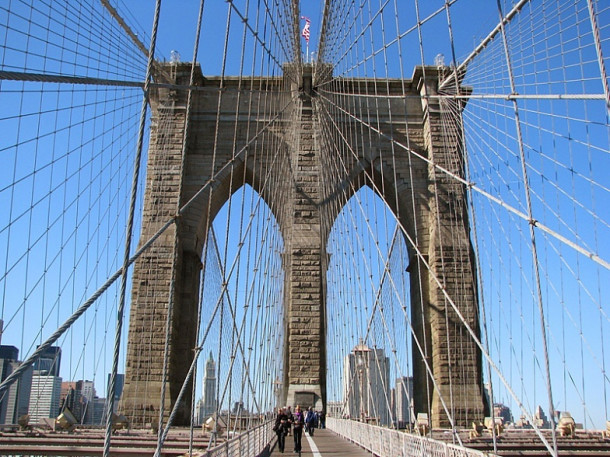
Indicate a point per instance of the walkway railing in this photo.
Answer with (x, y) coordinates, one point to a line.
(393, 443)
(251, 443)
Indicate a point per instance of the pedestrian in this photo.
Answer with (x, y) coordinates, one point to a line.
(281, 428)
(297, 428)
(322, 419)
(310, 421)
(288, 412)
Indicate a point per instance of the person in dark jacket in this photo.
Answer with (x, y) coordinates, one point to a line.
(311, 421)
(297, 428)
(322, 420)
(281, 428)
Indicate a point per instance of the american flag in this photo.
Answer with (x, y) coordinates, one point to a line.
(305, 32)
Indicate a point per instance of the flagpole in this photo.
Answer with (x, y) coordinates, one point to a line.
(305, 34)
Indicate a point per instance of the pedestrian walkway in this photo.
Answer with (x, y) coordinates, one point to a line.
(324, 443)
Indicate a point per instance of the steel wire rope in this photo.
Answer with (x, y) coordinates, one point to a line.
(563, 336)
(328, 180)
(66, 36)
(419, 346)
(476, 340)
(198, 349)
(175, 248)
(165, 123)
(112, 387)
(378, 305)
(431, 148)
(475, 239)
(593, 256)
(243, 183)
(349, 277)
(145, 245)
(258, 161)
(427, 366)
(230, 184)
(534, 250)
(411, 179)
(202, 282)
(381, 159)
(230, 273)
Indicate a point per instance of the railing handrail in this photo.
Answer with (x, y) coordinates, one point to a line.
(251, 442)
(387, 442)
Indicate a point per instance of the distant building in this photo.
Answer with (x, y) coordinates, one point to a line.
(403, 393)
(49, 361)
(44, 396)
(238, 408)
(504, 412)
(83, 395)
(17, 398)
(67, 395)
(81, 399)
(366, 389)
(9, 352)
(207, 406)
(96, 411)
(119, 383)
(540, 419)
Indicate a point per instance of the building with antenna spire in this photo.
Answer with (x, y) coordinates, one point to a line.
(207, 405)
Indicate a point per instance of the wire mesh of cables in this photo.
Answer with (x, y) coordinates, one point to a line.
(534, 131)
(71, 83)
(522, 92)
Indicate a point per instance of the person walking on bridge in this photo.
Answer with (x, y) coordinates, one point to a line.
(311, 421)
(281, 428)
(297, 428)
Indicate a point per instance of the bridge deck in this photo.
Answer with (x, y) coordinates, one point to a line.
(324, 443)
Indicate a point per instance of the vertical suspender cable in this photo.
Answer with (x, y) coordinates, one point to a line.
(531, 230)
(176, 237)
(129, 234)
(600, 56)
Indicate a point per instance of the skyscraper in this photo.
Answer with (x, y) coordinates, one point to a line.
(404, 399)
(16, 401)
(119, 383)
(44, 396)
(84, 394)
(366, 389)
(208, 405)
(49, 361)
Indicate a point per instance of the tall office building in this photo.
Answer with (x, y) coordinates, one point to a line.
(404, 401)
(366, 389)
(119, 383)
(44, 396)
(16, 401)
(49, 361)
(84, 392)
(208, 404)
(97, 407)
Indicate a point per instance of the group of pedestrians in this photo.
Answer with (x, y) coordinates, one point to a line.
(287, 422)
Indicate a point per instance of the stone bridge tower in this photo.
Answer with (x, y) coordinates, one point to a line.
(449, 354)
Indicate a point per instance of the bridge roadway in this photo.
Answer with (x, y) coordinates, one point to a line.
(324, 443)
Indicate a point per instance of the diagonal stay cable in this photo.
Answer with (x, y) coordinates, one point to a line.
(81, 310)
(473, 335)
(537, 224)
